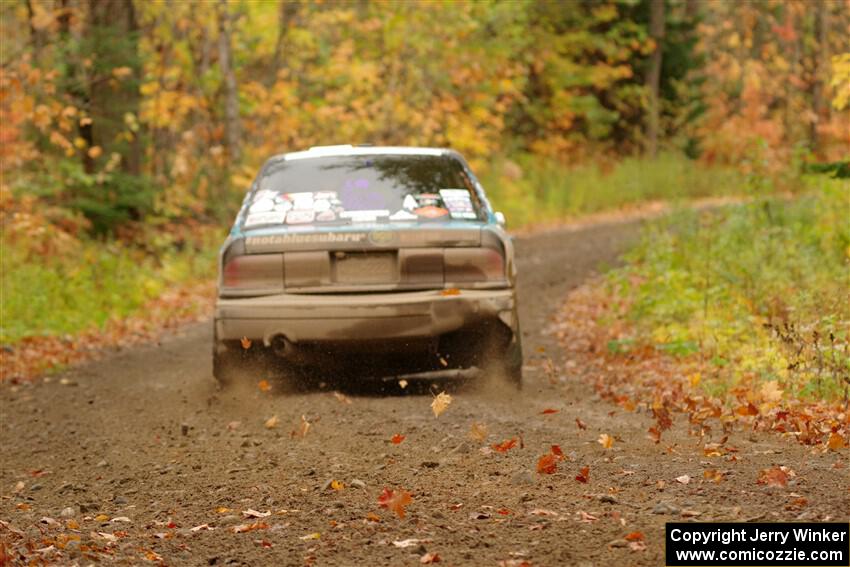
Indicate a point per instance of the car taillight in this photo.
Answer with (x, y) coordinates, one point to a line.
(261, 272)
(464, 265)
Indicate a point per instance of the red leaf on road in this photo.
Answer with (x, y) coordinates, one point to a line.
(397, 438)
(549, 411)
(584, 475)
(505, 445)
(547, 465)
(395, 501)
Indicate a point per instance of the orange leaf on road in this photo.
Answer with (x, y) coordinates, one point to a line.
(549, 411)
(547, 464)
(395, 501)
(397, 438)
(584, 475)
(505, 445)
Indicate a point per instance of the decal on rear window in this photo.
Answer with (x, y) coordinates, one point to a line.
(343, 190)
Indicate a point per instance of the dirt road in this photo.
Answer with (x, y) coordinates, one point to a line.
(140, 448)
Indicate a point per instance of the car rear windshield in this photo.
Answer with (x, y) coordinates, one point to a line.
(342, 190)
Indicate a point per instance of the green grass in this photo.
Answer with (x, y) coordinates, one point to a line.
(531, 190)
(88, 285)
(757, 290)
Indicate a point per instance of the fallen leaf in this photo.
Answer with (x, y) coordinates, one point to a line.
(478, 431)
(272, 422)
(584, 475)
(634, 536)
(395, 501)
(431, 557)
(373, 517)
(606, 441)
(450, 291)
(314, 535)
(246, 343)
(549, 411)
(249, 513)
(505, 445)
(301, 429)
(712, 450)
(23, 506)
(243, 528)
(586, 518)
(201, 527)
(556, 450)
(397, 438)
(72, 524)
(402, 383)
(223, 510)
(748, 409)
(337, 485)
(264, 385)
(101, 518)
(342, 398)
(123, 519)
(440, 403)
(654, 434)
(503, 511)
(546, 464)
(835, 442)
(637, 545)
(712, 475)
(410, 542)
(773, 477)
(580, 424)
(684, 479)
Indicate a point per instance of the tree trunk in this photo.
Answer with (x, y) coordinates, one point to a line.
(653, 75)
(114, 90)
(232, 126)
(287, 13)
(820, 75)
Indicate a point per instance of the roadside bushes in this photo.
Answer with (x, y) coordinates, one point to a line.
(758, 291)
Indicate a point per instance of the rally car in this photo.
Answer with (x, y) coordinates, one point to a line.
(374, 261)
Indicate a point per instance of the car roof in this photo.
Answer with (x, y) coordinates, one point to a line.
(350, 150)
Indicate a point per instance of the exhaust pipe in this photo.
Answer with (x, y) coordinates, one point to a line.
(282, 347)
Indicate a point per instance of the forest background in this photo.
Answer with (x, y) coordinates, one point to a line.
(130, 130)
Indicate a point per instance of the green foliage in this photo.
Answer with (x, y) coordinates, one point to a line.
(532, 189)
(100, 280)
(757, 288)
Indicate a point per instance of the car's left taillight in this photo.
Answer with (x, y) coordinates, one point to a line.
(250, 274)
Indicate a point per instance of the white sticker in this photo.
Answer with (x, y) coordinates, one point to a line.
(321, 205)
(262, 206)
(263, 194)
(272, 217)
(296, 216)
(283, 206)
(459, 203)
(329, 195)
(410, 203)
(364, 216)
(402, 215)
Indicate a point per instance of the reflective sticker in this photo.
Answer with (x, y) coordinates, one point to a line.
(283, 205)
(431, 212)
(321, 205)
(297, 216)
(364, 216)
(402, 215)
(459, 203)
(263, 194)
(409, 202)
(325, 216)
(272, 217)
(262, 206)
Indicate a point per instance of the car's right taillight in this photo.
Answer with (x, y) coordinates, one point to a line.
(467, 265)
(252, 273)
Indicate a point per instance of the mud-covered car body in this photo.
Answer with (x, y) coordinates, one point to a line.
(345, 255)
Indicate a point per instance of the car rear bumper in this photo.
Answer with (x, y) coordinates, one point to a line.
(361, 317)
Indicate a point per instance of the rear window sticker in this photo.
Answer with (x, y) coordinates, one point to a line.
(300, 216)
(458, 202)
(262, 206)
(431, 212)
(272, 217)
(463, 215)
(321, 205)
(283, 206)
(326, 216)
(364, 216)
(409, 202)
(329, 195)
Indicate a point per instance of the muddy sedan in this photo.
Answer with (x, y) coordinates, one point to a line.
(367, 262)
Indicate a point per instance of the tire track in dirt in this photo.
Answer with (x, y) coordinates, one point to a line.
(145, 435)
